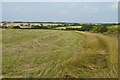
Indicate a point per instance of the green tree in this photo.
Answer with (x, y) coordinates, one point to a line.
(100, 29)
(86, 27)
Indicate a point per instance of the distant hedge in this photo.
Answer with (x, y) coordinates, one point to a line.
(16, 27)
(3, 27)
(39, 27)
(72, 29)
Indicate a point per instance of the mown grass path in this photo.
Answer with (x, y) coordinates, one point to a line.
(53, 53)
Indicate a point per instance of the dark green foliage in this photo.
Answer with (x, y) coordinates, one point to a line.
(4, 24)
(76, 24)
(39, 27)
(52, 27)
(86, 27)
(103, 29)
(16, 27)
(93, 28)
(118, 30)
(72, 29)
(21, 25)
(35, 27)
(3, 27)
(100, 29)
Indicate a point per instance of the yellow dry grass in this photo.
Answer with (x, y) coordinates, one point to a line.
(59, 54)
(97, 57)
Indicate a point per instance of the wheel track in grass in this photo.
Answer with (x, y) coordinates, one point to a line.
(103, 47)
(99, 58)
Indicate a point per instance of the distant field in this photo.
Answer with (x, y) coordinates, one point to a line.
(58, 54)
(74, 26)
(46, 24)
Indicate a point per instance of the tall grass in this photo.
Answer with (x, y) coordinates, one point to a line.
(98, 57)
(111, 45)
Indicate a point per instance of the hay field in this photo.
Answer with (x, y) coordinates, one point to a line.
(58, 54)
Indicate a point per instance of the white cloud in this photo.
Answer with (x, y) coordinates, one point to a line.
(115, 5)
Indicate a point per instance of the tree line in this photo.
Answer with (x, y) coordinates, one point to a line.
(101, 28)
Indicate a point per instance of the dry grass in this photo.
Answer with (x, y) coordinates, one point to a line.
(58, 54)
(0, 53)
(36, 53)
(98, 58)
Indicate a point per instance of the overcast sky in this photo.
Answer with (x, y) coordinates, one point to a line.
(83, 12)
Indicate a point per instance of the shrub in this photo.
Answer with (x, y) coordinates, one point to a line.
(86, 27)
(76, 24)
(72, 29)
(39, 27)
(16, 27)
(100, 29)
(35, 27)
(3, 27)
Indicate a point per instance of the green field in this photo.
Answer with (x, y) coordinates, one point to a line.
(58, 54)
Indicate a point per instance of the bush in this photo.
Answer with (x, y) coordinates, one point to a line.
(86, 27)
(95, 29)
(3, 27)
(35, 27)
(39, 27)
(72, 29)
(16, 27)
(100, 29)
(76, 24)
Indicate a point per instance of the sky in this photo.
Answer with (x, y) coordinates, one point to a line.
(59, 0)
(81, 12)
